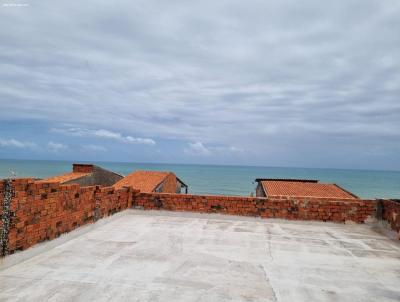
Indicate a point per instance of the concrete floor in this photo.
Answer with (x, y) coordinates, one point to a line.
(164, 256)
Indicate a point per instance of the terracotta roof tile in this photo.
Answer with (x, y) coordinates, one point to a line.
(145, 181)
(65, 177)
(304, 189)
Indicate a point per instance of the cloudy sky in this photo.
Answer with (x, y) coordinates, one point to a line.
(275, 83)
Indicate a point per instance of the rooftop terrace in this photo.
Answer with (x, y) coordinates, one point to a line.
(170, 256)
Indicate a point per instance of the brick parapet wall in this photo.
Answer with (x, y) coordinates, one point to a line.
(1, 203)
(391, 214)
(42, 211)
(323, 209)
(1, 207)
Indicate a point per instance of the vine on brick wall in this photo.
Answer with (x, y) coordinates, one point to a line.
(5, 217)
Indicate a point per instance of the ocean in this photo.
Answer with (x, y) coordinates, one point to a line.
(227, 180)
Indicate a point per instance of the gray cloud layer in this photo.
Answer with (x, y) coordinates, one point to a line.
(290, 79)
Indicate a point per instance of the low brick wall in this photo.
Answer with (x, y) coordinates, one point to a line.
(1, 204)
(43, 211)
(1, 215)
(323, 209)
(391, 214)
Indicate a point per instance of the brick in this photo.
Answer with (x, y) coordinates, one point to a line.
(39, 207)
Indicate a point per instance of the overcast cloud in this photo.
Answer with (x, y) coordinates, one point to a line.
(278, 83)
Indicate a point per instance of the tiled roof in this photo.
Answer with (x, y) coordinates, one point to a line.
(288, 179)
(304, 189)
(145, 181)
(65, 177)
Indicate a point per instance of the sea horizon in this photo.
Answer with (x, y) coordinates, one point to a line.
(223, 179)
(197, 164)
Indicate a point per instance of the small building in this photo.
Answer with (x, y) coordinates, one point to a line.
(86, 175)
(153, 181)
(272, 187)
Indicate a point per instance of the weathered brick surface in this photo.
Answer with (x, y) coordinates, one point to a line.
(1, 204)
(391, 213)
(323, 209)
(43, 211)
(82, 168)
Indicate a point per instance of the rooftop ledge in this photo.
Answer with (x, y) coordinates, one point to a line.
(170, 256)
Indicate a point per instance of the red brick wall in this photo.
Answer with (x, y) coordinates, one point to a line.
(391, 213)
(83, 168)
(323, 209)
(43, 211)
(1, 203)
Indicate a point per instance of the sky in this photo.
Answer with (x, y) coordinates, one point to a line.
(270, 83)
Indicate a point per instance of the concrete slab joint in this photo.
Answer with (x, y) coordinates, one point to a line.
(6, 217)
